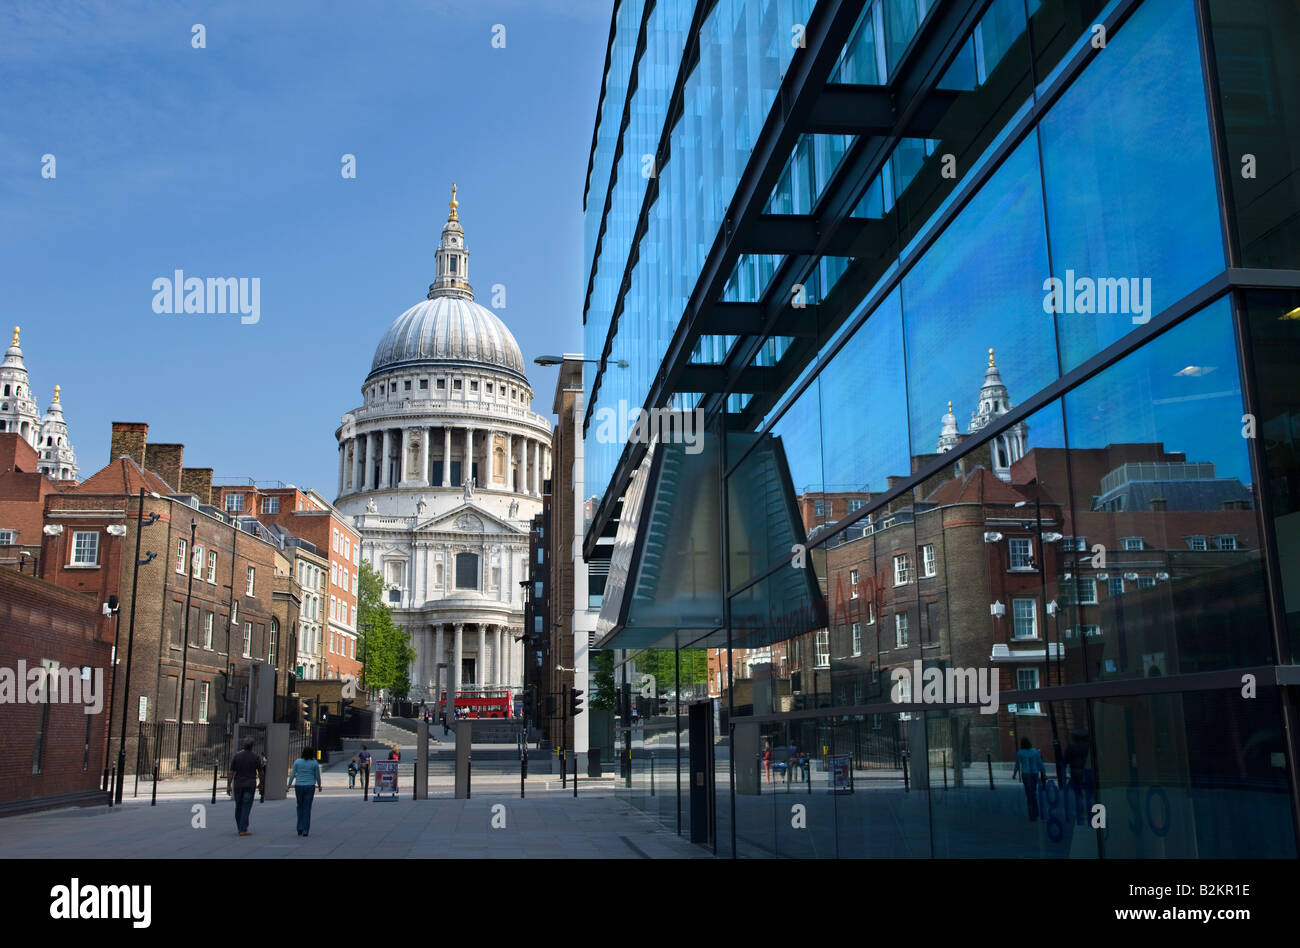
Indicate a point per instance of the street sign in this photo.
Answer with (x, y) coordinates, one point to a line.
(144, 707)
(838, 765)
(385, 772)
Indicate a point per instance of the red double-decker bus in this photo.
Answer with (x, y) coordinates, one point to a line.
(489, 703)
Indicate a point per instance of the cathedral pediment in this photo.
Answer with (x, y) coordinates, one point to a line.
(468, 518)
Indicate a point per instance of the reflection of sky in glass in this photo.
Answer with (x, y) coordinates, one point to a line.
(978, 288)
(864, 421)
(1181, 389)
(1128, 171)
(800, 432)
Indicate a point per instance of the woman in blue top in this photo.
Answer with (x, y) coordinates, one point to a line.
(305, 780)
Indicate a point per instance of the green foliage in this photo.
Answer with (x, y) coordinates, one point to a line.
(603, 695)
(694, 663)
(387, 649)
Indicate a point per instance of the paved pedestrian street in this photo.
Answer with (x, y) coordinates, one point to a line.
(547, 824)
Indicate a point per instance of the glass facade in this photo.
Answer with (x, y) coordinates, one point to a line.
(1010, 533)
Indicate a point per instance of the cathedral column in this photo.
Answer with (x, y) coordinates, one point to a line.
(439, 681)
(385, 461)
(459, 629)
(467, 463)
(508, 672)
(342, 457)
(446, 456)
(510, 460)
(426, 445)
(403, 472)
(498, 663)
(537, 468)
(368, 481)
(480, 663)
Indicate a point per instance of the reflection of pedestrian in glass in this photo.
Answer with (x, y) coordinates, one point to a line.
(1029, 765)
(1078, 781)
(791, 761)
(803, 762)
(767, 759)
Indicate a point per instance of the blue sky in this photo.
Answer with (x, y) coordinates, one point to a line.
(225, 162)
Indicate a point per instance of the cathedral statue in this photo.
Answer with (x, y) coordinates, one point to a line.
(420, 505)
(469, 488)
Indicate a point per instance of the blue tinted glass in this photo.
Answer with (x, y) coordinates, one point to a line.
(1130, 182)
(974, 291)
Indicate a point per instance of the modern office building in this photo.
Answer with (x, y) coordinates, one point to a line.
(961, 337)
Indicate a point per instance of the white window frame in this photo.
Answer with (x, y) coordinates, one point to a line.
(234, 503)
(212, 566)
(902, 569)
(857, 639)
(182, 547)
(1115, 586)
(91, 546)
(1132, 544)
(208, 620)
(1026, 558)
(1017, 606)
(853, 584)
(1086, 583)
(901, 630)
(1226, 541)
(248, 585)
(248, 640)
(929, 562)
(822, 644)
(1030, 707)
(271, 505)
(1197, 544)
(7, 537)
(871, 612)
(204, 695)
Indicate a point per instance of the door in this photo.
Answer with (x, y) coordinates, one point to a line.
(703, 821)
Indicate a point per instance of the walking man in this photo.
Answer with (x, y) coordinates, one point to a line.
(246, 771)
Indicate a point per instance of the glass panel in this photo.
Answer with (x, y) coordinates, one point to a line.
(1154, 234)
(1156, 452)
(970, 295)
(1259, 93)
(1273, 321)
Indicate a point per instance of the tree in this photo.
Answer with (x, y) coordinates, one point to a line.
(387, 648)
(603, 694)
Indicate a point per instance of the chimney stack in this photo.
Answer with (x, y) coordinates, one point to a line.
(197, 481)
(165, 461)
(129, 438)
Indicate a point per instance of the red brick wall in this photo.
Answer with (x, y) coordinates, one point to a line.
(40, 621)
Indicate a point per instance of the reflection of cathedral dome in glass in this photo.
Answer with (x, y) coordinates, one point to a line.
(448, 329)
(449, 326)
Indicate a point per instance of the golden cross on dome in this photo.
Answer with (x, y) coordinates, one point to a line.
(454, 203)
(990, 357)
(15, 342)
(56, 394)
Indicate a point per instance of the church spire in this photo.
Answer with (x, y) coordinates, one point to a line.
(57, 459)
(18, 410)
(950, 435)
(451, 258)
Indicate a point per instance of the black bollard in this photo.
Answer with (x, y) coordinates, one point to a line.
(945, 770)
(989, 755)
(575, 776)
(906, 786)
(523, 772)
(469, 772)
(153, 799)
(214, 783)
(112, 785)
(652, 774)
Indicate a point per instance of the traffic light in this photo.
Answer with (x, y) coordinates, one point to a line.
(324, 713)
(575, 702)
(306, 710)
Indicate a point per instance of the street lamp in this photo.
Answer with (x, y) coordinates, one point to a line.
(111, 608)
(1041, 565)
(130, 633)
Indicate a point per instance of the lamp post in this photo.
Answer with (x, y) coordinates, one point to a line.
(130, 634)
(111, 608)
(1041, 564)
(185, 647)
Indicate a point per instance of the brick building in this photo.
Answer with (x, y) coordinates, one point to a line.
(304, 514)
(51, 753)
(22, 498)
(89, 545)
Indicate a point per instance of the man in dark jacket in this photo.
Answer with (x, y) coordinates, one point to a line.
(246, 771)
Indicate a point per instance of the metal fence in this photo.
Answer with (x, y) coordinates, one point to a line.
(181, 750)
